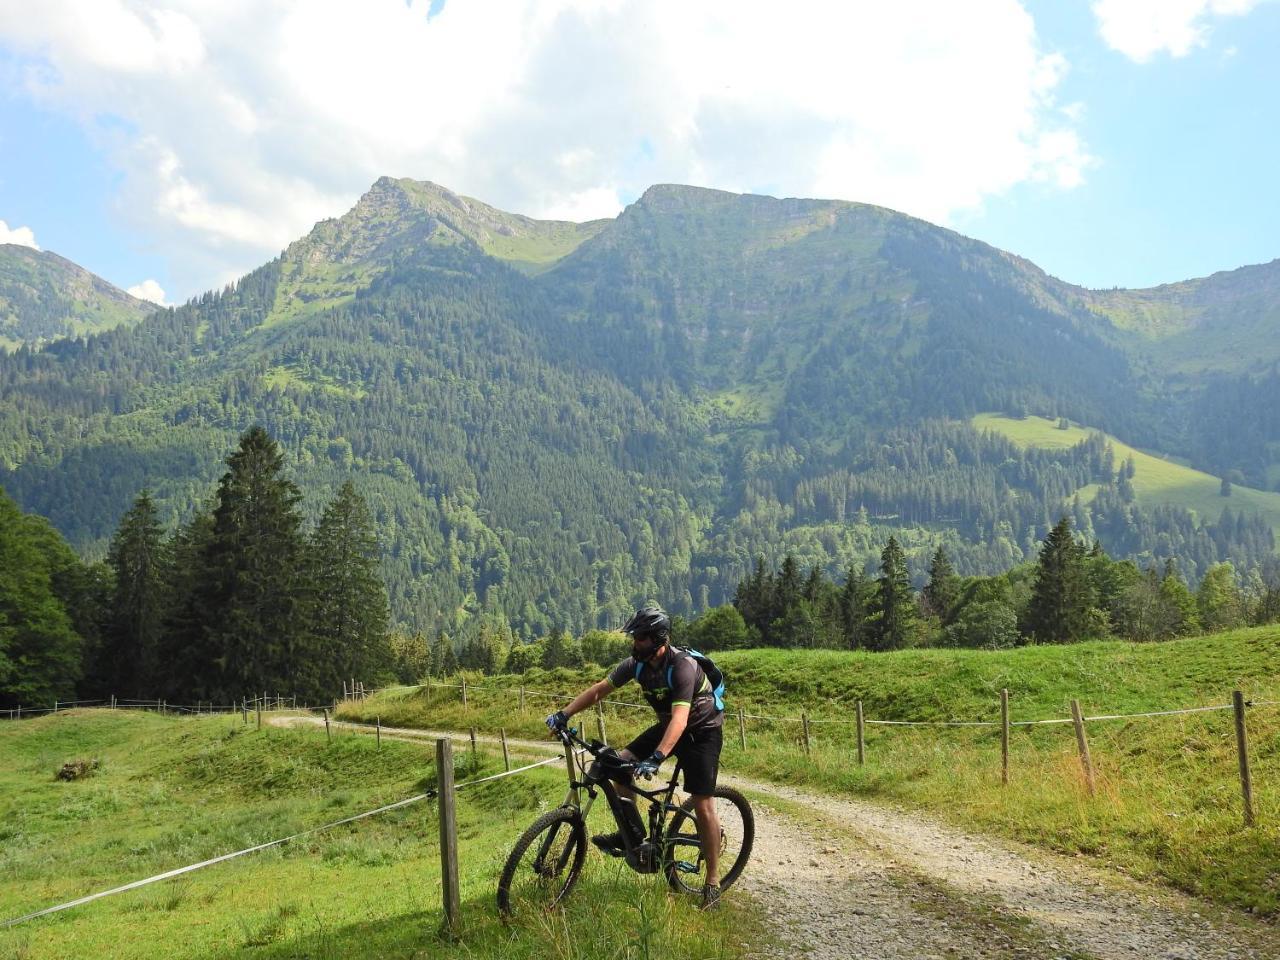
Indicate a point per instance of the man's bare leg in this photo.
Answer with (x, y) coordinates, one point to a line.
(704, 808)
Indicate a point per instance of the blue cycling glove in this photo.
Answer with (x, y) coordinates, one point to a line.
(648, 767)
(557, 721)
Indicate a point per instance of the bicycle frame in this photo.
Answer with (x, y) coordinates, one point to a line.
(639, 856)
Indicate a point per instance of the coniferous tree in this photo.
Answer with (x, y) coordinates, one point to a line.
(131, 661)
(1060, 598)
(1178, 605)
(187, 658)
(258, 621)
(856, 597)
(943, 588)
(443, 658)
(349, 599)
(895, 603)
(754, 597)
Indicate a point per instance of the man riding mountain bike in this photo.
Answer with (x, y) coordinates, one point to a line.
(689, 725)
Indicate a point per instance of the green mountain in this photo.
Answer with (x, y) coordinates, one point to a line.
(45, 297)
(1226, 322)
(555, 420)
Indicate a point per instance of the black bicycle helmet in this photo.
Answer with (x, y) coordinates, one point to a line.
(649, 620)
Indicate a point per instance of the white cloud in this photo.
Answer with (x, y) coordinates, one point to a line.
(1140, 29)
(150, 291)
(22, 236)
(237, 125)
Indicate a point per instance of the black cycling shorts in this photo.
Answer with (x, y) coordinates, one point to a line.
(697, 750)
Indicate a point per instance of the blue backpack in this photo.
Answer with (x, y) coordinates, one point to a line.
(715, 676)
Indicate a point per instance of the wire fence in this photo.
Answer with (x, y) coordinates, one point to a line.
(356, 691)
(445, 777)
(859, 721)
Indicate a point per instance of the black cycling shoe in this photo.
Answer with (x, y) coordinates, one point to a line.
(610, 843)
(710, 896)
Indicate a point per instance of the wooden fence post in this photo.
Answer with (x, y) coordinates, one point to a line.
(742, 729)
(862, 734)
(475, 759)
(506, 757)
(55, 706)
(113, 701)
(522, 699)
(1083, 743)
(378, 721)
(1242, 746)
(448, 837)
(804, 721)
(1004, 736)
(600, 723)
(259, 706)
(244, 712)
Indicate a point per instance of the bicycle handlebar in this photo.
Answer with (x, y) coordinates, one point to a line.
(568, 737)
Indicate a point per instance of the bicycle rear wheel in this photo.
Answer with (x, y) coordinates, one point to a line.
(683, 857)
(544, 864)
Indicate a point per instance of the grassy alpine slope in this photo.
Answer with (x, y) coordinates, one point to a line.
(1168, 800)
(1155, 479)
(176, 791)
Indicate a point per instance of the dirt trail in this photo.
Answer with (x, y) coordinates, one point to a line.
(883, 883)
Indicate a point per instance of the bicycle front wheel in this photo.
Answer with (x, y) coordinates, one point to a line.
(544, 864)
(684, 860)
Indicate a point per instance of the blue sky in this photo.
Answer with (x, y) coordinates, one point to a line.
(1114, 143)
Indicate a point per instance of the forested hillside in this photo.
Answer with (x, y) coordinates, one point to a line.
(550, 420)
(46, 297)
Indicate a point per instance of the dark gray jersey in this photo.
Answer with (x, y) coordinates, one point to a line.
(688, 685)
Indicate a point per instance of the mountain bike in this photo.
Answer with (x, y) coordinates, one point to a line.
(547, 860)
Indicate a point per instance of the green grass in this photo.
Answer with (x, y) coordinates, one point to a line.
(1168, 803)
(176, 791)
(1156, 480)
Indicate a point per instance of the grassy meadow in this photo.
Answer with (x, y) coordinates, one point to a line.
(175, 791)
(1155, 480)
(1168, 800)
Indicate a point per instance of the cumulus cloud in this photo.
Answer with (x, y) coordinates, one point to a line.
(150, 291)
(22, 236)
(237, 125)
(1140, 29)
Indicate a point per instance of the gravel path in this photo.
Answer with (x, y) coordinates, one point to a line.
(878, 882)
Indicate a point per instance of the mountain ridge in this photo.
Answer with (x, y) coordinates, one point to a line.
(554, 420)
(45, 296)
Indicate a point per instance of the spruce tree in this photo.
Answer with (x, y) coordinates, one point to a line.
(258, 623)
(895, 603)
(131, 661)
(349, 600)
(444, 661)
(1060, 598)
(1179, 616)
(856, 598)
(187, 663)
(943, 588)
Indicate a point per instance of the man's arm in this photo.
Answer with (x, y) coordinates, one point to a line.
(589, 697)
(675, 728)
